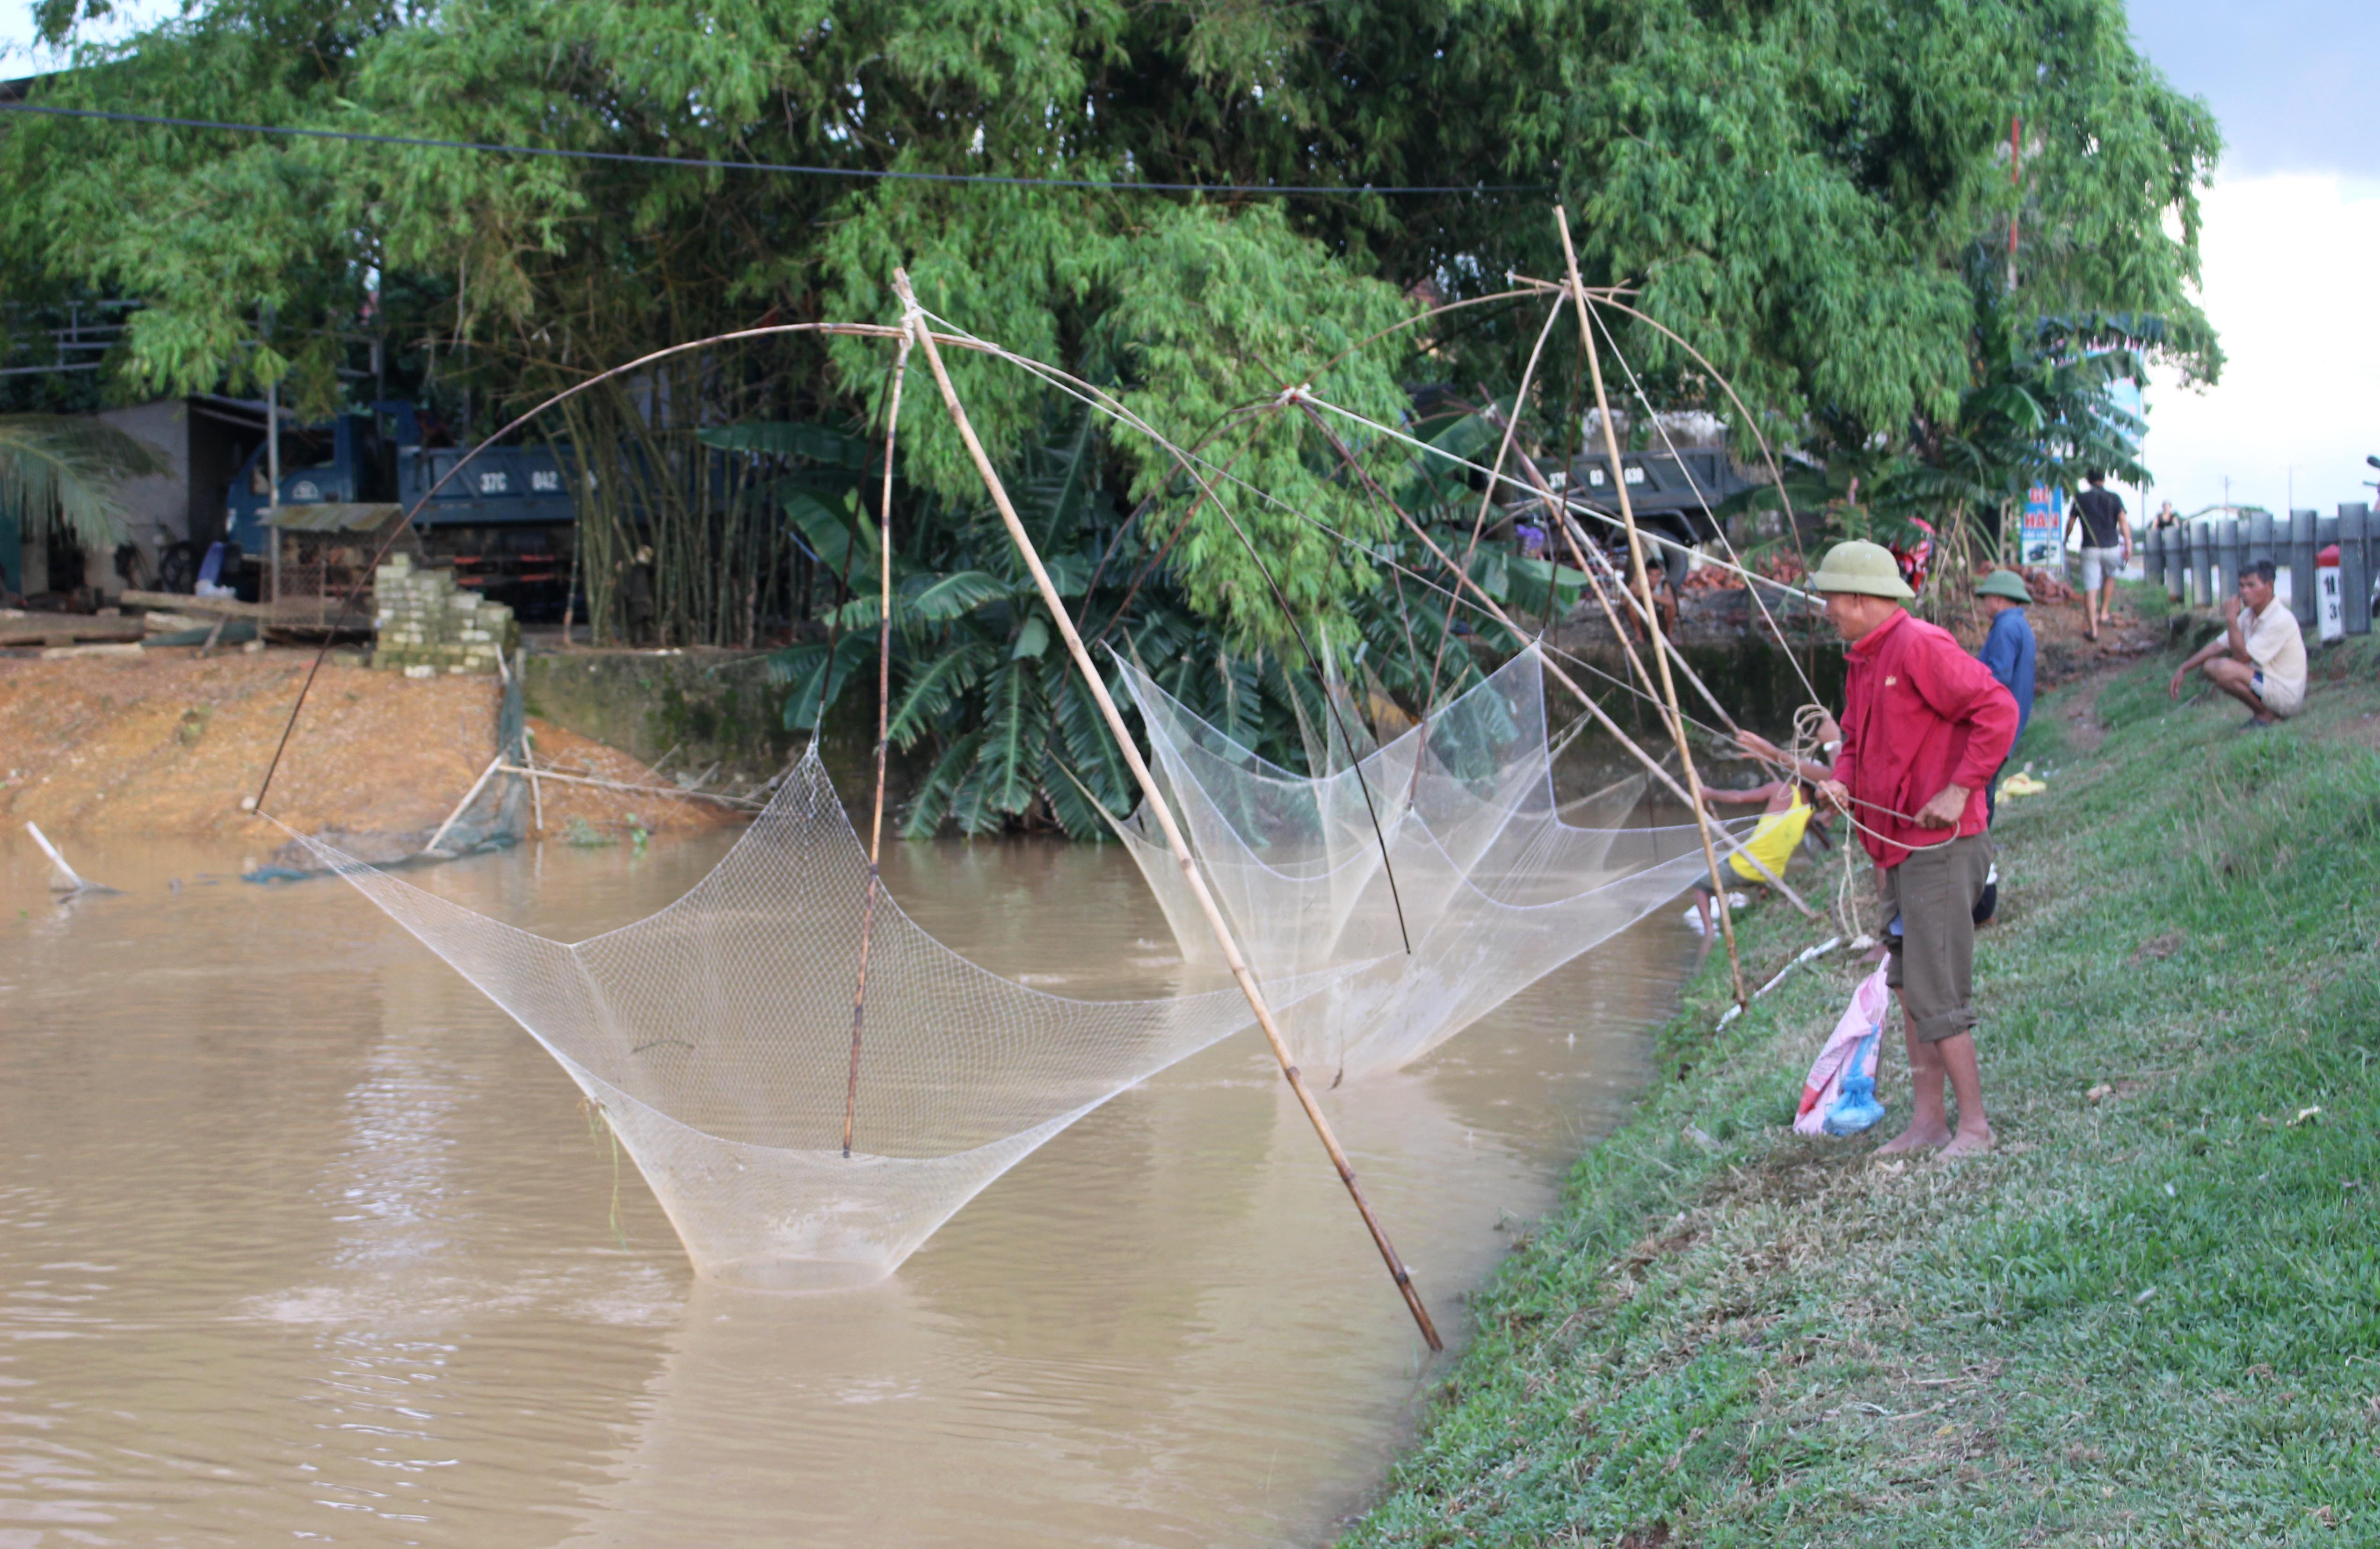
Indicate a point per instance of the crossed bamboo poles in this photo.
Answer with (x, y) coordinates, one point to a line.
(915, 322)
(913, 332)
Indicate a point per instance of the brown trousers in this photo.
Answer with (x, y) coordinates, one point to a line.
(1933, 961)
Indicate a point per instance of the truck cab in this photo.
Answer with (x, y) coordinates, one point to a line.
(1672, 494)
(505, 523)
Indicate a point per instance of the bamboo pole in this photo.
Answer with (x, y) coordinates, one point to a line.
(1652, 615)
(1494, 610)
(1571, 530)
(883, 713)
(1157, 805)
(674, 793)
(469, 797)
(536, 787)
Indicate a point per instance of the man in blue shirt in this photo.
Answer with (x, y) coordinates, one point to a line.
(2008, 648)
(2007, 652)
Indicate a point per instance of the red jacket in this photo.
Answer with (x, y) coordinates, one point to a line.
(1919, 714)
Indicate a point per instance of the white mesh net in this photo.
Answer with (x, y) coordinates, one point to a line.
(716, 1035)
(1496, 886)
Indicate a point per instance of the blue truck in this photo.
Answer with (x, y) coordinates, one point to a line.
(508, 522)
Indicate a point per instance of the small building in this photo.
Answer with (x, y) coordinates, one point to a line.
(172, 516)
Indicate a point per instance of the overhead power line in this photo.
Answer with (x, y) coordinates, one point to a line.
(1105, 185)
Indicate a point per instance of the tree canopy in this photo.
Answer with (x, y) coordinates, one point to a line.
(1815, 193)
(1793, 183)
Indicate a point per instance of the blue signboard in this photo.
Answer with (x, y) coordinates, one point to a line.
(2042, 541)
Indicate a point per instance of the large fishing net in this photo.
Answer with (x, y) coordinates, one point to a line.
(716, 1037)
(716, 1034)
(1447, 837)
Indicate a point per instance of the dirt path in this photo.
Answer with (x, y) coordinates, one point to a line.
(166, 744)
(2078, 702)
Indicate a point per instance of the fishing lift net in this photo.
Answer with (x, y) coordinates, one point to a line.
(1493, 884)
(716, 1037)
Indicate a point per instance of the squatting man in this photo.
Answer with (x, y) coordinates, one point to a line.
(2260, 658)
(1925, 728)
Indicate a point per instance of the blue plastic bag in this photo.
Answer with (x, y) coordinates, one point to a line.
(1857, 1109)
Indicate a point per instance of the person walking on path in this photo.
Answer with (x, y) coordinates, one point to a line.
(1924, 726)
(2260, 658)
(2106, 547)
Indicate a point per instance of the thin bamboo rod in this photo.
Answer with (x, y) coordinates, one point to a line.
(883, 713)
(536, 787)
(714, 797)
(1164, 814)
(1652, 615)
(1488, 496)
(1494, 610)
(469, 797)
(1571, 530)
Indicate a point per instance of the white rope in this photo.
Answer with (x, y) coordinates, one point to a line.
(1751, 577)
(1095, 398)
(1638, 387)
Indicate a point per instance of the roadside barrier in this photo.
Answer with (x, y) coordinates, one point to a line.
(2199, 562)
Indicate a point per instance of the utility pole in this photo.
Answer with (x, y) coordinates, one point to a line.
(272, 465)
(2016, 166)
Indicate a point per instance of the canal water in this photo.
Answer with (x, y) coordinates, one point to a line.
(302, 1240)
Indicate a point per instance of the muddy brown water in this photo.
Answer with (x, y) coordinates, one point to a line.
(302, 1240)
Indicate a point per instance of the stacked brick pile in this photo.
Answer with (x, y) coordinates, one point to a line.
(427, 625)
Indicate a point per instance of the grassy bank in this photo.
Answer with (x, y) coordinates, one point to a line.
(2151, 1317)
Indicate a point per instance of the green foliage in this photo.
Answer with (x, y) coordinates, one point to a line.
(1794, 185)
(981, 687)
(66, 467)
(1801, 187)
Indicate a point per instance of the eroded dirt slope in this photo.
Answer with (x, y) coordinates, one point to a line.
(167, 743)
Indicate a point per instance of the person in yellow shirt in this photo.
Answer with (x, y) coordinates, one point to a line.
(1786, 814)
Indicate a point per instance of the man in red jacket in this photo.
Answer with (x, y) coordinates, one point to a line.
(1924, 727)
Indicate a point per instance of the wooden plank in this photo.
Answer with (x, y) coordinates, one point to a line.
(66, 629)
(211, 607)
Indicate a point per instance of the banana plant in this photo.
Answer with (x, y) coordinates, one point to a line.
(67, 469)
(987, 699)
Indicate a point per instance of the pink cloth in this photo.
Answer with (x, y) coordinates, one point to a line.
(1864, 1018)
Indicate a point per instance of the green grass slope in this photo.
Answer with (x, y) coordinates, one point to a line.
(2152, 1317)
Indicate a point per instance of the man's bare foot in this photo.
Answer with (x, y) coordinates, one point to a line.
(1914, 1139)
(1968, 1144)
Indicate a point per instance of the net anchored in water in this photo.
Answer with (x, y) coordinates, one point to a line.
(1473, 862)
(716, 1037)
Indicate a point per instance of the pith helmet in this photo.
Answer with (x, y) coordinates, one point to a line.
(1858, 566)
(2004, 583)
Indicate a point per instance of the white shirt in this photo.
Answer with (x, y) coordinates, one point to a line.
(2276, 646)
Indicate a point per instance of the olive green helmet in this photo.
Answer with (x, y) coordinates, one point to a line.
(2004, 583)
(1859, 566)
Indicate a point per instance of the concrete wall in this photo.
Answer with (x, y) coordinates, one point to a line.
(157, 510)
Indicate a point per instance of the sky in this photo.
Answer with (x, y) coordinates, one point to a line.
(2291, 245)
(2291, 250)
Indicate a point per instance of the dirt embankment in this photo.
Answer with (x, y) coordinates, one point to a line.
(166, 744)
